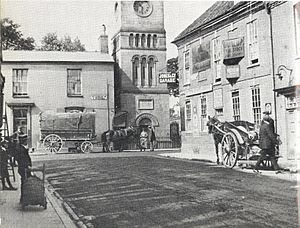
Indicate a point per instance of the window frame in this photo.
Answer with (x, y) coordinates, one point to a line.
(75, 94)
(22, 82)
(186, 67)
(236, 107)
(256, 104)
(253, 38)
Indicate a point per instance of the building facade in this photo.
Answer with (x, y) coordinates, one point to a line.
(227, 63)
(139, 51)
(56, 82)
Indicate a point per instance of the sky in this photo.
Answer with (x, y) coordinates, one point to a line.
(84, 18)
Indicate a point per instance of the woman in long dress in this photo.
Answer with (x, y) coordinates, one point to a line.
(143, 140)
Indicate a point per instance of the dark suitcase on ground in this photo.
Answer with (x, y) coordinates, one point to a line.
(33, 190)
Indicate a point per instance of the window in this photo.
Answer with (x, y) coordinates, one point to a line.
(20, 82)
(131, 40)
(217, 59)
(143, 40)
(188, 109)
(186, 68)
(150, 71)
(74, 82)
(20, 118)
(154, 41)
(135, 67)
(256, 105)
(252, 32)
(219, 111)
(148, 40)
(137, 37)
(236, 105)
(203, 107)
(143, 71)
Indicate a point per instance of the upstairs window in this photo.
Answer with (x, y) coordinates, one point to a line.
(74, 82)
(186, 68)
(188, 109)
(20, 82)
(137, 40)
(150, 71)
(252, 33)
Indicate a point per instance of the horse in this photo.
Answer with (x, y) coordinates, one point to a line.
(214, 127)
(117, 137)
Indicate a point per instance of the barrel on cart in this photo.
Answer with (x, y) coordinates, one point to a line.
(72, 130)
(33, 189)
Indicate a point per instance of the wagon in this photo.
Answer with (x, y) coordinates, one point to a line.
(240, 144)
(71, 130)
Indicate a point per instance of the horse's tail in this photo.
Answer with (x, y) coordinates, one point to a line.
(103, 136)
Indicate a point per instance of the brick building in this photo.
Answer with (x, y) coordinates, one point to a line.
(39, 81)
(139, 51)
(229, 60)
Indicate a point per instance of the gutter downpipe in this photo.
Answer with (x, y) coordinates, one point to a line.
(268, 8)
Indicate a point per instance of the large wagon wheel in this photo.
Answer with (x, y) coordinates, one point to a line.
(229, 150)
(86, 147)
(53, 143)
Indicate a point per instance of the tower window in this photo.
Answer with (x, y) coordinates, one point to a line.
(143, 71)
(154, 41)
(135, 67)
(143, 40)
(131, 40)
(137, 38)
(148, 40)
(150, 71)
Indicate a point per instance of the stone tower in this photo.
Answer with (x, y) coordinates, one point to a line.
(139, 50)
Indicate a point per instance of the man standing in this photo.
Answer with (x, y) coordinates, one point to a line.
(267, 142)
(152, 138)
(24, 160)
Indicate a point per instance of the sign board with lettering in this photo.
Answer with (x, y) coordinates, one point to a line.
(146, 104)
(232, 71)
(99, 97)
(201, 56)
(167, 78)
(234, 48)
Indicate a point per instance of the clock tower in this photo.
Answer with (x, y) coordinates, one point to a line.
(139, 51)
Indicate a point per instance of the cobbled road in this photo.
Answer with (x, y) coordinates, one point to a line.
(150, 191)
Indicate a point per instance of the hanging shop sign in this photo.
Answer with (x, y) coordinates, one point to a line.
(232, 71)
(201, 56)
(167, 78)
(234, 48)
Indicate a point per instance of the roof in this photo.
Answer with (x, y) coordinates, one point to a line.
(55, 56)
(217, 9)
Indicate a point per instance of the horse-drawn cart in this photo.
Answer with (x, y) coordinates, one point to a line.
(72, 130)
(239, 142)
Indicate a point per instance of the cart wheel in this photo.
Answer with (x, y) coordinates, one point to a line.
(86, 147)
(229, 150)
(53, 143)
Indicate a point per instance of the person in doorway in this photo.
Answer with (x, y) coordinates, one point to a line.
(267, 142)
(3, 166)
(152, 138)
(24, 160)
(143, 140)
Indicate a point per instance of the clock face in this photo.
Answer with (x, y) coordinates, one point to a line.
(142, 8)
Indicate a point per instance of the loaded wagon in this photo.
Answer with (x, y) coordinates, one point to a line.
(71, 130)
(240, 143)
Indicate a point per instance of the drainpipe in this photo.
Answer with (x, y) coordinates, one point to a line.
(268, 8)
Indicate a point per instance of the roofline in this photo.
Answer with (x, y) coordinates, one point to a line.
(219, 19)
(57, 61)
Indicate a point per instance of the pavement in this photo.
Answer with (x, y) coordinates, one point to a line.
(59, 215)
(12, 215)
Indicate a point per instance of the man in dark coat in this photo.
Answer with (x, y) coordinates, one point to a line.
(267, 142)
(23, 159)
(152, 138)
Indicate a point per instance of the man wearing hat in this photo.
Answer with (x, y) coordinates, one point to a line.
(267, 142)
(23, 159)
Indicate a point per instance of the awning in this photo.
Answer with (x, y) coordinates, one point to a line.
(287, 91)
(120, 119)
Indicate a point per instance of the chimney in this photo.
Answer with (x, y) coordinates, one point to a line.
(103, 40)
